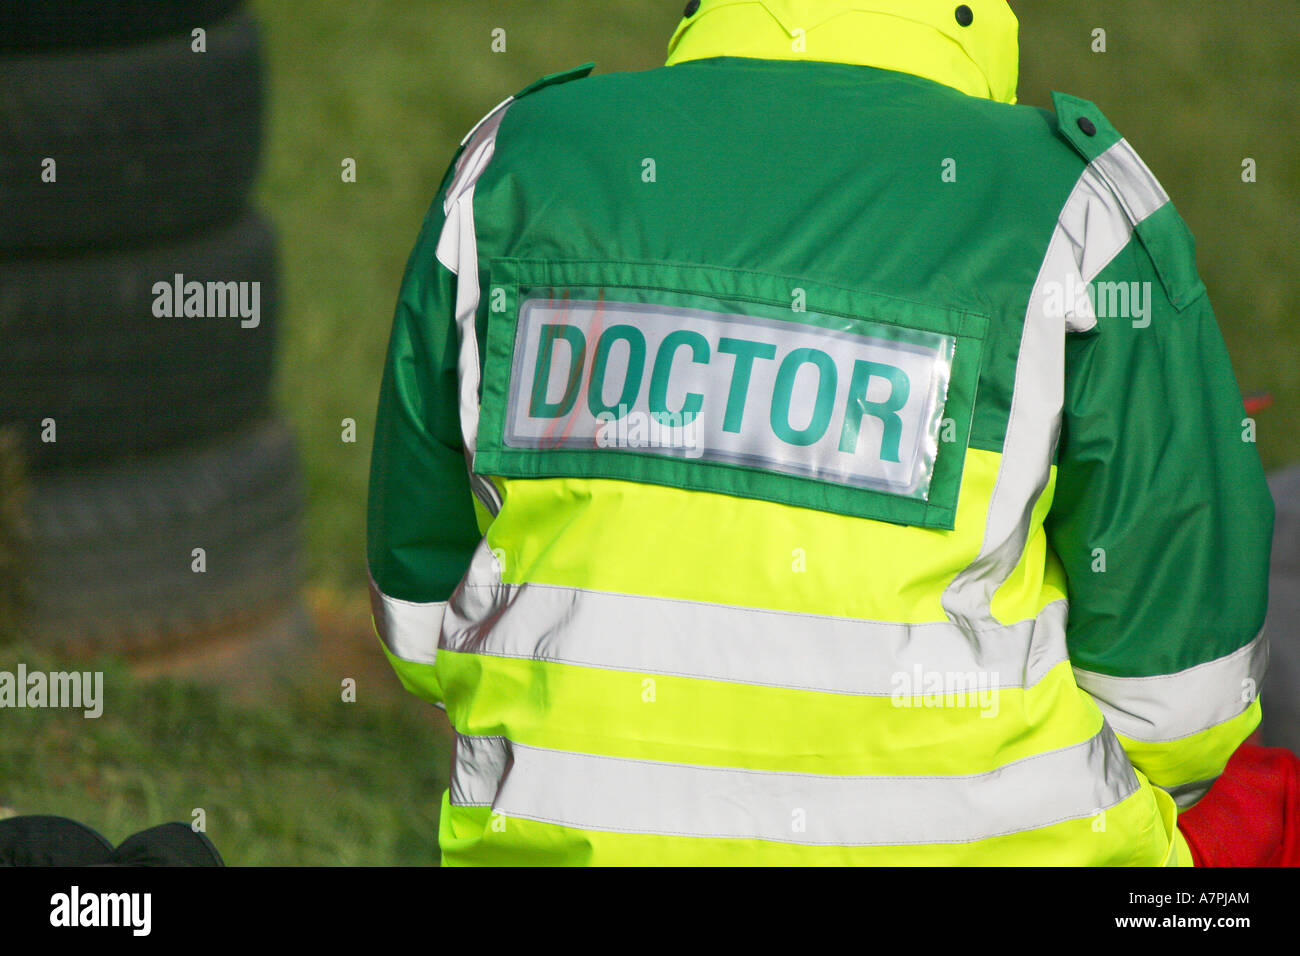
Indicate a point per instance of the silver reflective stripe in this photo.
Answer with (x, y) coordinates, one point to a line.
(1026, 455)
(479, 125)
(477, 767)
(1172, 706)
(458, 251)
(1132, 181)
(1094, 227)
(745, 645)
(591, 792)
(1186, 795)
(408, 629)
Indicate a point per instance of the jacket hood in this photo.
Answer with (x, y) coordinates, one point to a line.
(972, 47)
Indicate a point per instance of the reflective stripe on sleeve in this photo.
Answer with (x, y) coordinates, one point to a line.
(1168, 707)
(408, 629)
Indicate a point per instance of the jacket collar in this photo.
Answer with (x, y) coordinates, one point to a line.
(920, 37)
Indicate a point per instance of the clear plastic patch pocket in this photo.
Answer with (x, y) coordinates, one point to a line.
(750, 385)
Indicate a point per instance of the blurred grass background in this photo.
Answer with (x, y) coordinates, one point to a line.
(292, 775)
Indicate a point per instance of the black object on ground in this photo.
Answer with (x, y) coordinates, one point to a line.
(58, 841)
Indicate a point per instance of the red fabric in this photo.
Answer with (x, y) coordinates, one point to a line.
(1251, 816)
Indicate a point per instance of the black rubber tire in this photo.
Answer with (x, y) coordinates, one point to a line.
(113, 549)
(64, 24)
(82, 346)
(149, 141)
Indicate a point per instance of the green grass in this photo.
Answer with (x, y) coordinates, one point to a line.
(301, 778)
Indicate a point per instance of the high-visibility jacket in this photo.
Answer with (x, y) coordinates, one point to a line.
(801, 454)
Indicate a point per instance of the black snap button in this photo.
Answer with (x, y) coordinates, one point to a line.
(691, 7)
(1088, 126)
(964, 15)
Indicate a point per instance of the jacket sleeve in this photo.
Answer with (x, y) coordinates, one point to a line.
(1163, 521)
(421, 527)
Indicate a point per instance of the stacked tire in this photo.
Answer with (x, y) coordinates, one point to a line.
(138, 314)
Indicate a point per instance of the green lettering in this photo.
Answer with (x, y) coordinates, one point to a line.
(745, 352)
(693, 401)
(825, 404)
(886, 411)
(538, 406)
(635, 370)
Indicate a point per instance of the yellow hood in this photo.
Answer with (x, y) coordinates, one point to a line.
(921, 37)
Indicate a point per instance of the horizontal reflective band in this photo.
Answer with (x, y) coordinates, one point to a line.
(408, 629)
(747, 645)
(1133, 835)
(1172, 706)
(637, 796)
